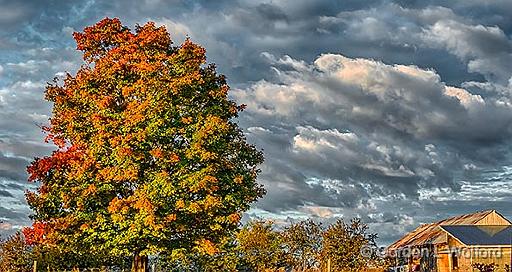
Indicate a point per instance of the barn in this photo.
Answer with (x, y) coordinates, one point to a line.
(455, 244)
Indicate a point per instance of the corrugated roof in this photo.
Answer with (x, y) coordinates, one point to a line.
(481, 235)
(432, 234)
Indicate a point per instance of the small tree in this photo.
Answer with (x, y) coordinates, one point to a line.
(260, 247)
(343, 245)
(302, 243)
(15, 254)
(149, 158)
(226, 259)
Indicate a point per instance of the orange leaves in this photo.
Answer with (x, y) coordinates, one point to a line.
(191, 55)
(205, 246)
(150, 36)
(170, 218)
(124, 152)
(165, 156)
(238, 179)
(142, 203)
(174, 158)
(120, 173)
(157, 153)
(187, 120)
(91, 190)
(105, 102)
(113, 206)
(234, 218)
(127, 91)
(84, 227)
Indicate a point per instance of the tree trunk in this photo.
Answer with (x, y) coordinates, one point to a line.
(140, 263)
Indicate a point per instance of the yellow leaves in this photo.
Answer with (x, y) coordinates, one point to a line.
(194, 207)
(215, 227)
(107, 173)
(207, 204)
(212, 125)
(211, 202)
(180, 204)
(149, 220)
(137, 94)
(121, 173)
(205, 246)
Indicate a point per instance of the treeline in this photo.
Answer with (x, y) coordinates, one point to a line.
(258, 246)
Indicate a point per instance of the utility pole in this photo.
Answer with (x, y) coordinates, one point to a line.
(329, 265)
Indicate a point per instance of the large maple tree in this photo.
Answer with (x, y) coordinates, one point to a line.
(148, 158)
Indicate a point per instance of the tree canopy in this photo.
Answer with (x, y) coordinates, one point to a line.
(148, 155)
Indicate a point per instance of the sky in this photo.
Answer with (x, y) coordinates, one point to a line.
(397, 112)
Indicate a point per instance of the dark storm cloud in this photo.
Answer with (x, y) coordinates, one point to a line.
(430, 131)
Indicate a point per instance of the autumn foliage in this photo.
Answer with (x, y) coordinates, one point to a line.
(148, 157)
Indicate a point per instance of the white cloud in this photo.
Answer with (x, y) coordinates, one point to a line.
(465, 97)
(486, 49)
(177, 30)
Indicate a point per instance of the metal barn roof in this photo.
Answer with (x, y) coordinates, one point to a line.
(433, 234)
(481, 235)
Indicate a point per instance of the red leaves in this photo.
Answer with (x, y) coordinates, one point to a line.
(59, 159)
(35, 234)
(98, 39)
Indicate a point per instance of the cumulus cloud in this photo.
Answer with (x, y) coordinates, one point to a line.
(357, 131)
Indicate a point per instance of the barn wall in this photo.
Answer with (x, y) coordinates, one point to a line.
(492, 255)
(443, 263)
(467, 256)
